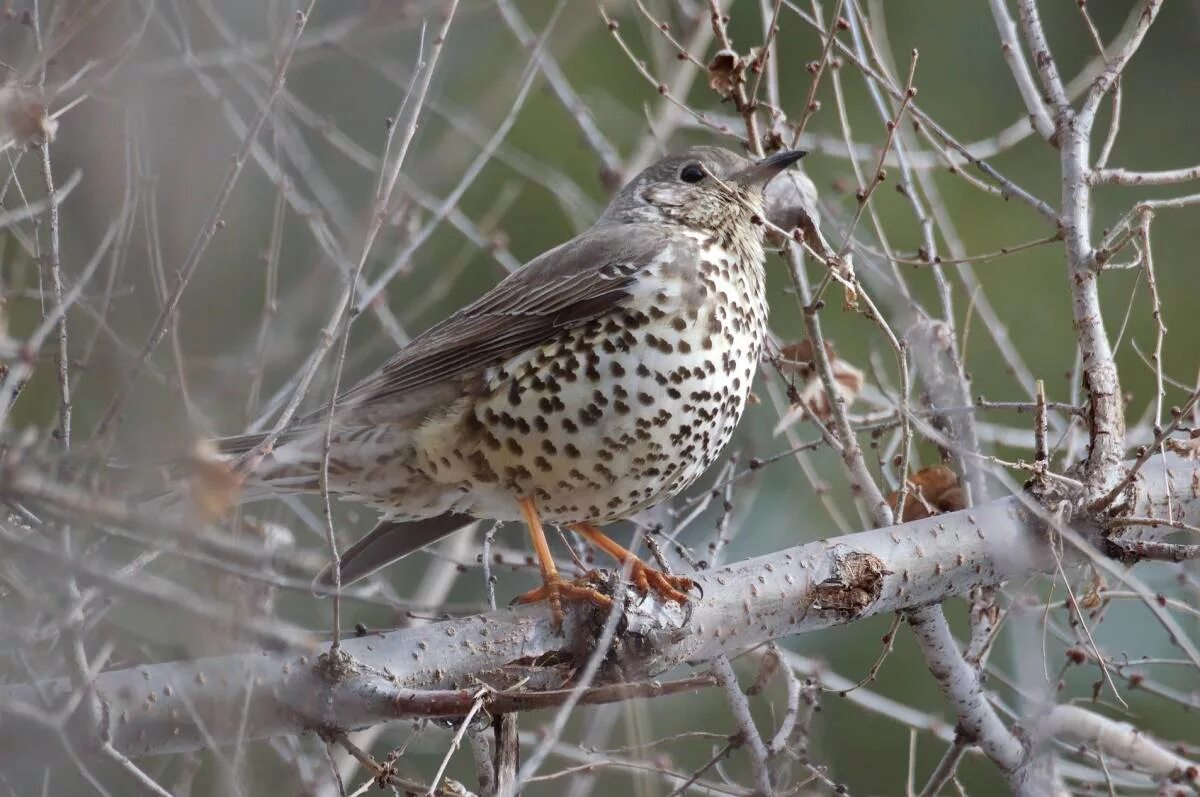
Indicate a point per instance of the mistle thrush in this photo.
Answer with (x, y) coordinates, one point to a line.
(600, 379)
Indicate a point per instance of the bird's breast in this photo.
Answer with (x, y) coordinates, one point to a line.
(627, 409)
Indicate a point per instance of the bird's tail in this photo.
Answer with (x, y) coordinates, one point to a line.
(216, 475)
(238, 444)
(387, 542)
(290, 465)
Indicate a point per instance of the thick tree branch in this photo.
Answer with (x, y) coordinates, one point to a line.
(181, 706)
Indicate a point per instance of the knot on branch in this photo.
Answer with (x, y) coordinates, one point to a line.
(856, 583)
(335, 665)
(646, 627)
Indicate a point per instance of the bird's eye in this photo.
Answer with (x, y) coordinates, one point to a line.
(692, 173)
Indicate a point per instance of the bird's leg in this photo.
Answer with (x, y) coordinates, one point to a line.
(553, 590)
(644, 577)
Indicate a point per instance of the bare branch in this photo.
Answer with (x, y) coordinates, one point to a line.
(207, 230)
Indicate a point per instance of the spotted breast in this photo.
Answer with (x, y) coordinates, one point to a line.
(621, 412)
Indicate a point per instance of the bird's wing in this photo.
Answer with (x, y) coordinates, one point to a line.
(563, 288)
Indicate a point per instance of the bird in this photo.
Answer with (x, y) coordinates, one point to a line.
(601, 378)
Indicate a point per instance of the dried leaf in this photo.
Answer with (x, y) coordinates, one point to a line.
(214, 486)
(849, 282)
(725, 71)
(797, 358)
(1093, 596)
(23, 119)
(768, 666)
(931, 491)
(1189, 448)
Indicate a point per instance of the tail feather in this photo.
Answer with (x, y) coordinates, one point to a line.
(240, 444)
(237, 444)
(387, 542)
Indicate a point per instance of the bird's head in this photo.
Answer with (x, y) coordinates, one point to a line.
(707, 188)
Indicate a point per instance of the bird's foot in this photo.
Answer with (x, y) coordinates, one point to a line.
(645, 580)
(556, 590)
(666, 586)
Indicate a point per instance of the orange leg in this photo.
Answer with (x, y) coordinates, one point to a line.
(644, 578)
(553, 590)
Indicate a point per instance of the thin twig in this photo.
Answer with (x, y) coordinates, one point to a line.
(207, 230)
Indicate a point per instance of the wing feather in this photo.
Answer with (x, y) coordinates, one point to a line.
(563, 288)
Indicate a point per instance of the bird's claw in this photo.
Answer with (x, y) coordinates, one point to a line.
(643, 578)
(646, 579)
(555, 591)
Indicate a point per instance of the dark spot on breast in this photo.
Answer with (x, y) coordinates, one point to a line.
(518, 473)
(571, 451)
(481, 470)
(645, 398)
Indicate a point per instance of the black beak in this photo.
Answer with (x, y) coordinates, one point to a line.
(761, 173)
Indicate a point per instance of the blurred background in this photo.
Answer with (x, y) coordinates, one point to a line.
(151, 103)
